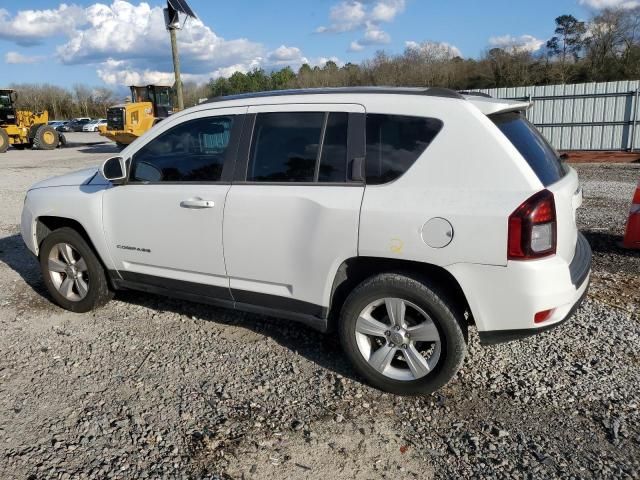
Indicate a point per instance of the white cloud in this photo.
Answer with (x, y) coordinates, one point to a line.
(119, 72)
(372, 36)
(375, 36)
(386, 11)
(367, 15)
(31, 27)
(321, 61)
(124, 31)
(284, 53)
(526, 43)
(601, 4)
(128, 43)
(442, 50)
(345, 16)
(14, 58)
(283, 56)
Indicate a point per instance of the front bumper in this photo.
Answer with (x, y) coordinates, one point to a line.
(504, 301)
(28, 227)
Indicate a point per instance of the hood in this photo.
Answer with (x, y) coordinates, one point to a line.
(81, 177)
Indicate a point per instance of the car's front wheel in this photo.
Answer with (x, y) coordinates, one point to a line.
(72, 273)
(402, 334)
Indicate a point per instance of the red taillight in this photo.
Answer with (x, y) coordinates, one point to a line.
(542, 316)
(532, 228)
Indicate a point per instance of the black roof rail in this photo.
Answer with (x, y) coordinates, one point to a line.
(476, 94)
(431, 92)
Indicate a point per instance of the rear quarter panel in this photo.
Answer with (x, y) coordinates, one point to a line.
(470, 175)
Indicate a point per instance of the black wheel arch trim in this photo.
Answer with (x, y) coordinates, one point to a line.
(580, 266)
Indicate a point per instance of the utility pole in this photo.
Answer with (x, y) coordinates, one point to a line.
(172, 22)
(176, 67)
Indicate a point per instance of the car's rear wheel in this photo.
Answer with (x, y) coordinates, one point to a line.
(402, 334)
(72, 273)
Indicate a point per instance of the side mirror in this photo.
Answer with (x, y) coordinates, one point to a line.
(114, 169)
(13, 96)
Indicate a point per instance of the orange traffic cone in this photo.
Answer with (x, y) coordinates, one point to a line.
(632, 235)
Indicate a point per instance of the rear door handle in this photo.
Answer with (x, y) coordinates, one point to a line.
(197, 203)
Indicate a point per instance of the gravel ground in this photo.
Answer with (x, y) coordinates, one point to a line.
(150, 387)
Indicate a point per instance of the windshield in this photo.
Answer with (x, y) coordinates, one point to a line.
(5, 100)
(535, 149)
(163, 98)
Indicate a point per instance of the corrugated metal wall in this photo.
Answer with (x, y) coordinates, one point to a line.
(584, 116)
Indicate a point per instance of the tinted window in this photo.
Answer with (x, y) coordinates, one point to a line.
(285, 147)
(333, 161)
(191, 152)
(394, 142)
(532, 146)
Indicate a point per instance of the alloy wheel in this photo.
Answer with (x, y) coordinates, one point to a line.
(398, 339)
(68, 272)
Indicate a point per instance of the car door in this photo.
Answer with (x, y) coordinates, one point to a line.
(291, 216)
(164, 226)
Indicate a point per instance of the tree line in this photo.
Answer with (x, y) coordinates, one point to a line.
(605, 48)
(63, 103)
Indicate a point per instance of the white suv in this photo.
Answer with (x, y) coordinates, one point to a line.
(396, 217)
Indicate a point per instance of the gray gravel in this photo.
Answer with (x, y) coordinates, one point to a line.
(149, 387)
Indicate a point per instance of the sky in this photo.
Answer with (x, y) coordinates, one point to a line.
(117, 43)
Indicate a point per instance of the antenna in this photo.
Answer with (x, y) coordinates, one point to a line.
(172, 22)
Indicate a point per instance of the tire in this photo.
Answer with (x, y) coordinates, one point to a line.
(92, 279)
(425, 306)
(46, 138)
(4, 141)
(63, 140)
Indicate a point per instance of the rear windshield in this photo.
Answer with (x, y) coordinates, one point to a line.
(540, 156)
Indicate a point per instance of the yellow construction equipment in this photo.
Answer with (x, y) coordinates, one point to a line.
(24, 129)
(126, 122)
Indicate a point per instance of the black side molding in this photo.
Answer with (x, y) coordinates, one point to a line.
(314, 316)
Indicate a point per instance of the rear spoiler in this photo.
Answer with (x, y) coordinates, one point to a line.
(491, 106)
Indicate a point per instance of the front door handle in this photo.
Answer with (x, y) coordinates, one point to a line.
(197, 203)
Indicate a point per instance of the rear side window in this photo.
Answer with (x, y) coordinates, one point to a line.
(540, 156)
(394, 143)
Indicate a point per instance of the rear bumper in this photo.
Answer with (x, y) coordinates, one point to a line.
(505, 300)
(502, 336)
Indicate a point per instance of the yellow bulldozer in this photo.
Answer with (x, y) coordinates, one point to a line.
(149, 104)
(24, 129)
